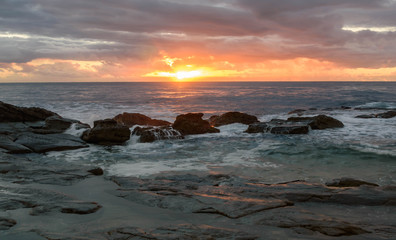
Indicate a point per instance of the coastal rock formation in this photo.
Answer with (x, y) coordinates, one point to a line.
(192, 123)
(295, 125)
(11, 113)
(389, 114)
(21, 170)
(43, 201)
(107, 132)
(132, 119)
(349, 182)
(306, 208)
(232, 117)
(6, 223)
(299, 112)
(181, 231)
(319, 122)
(151, 134)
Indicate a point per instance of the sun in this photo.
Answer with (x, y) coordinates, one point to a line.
(187, 74)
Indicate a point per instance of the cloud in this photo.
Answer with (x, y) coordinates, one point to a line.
(239, 31)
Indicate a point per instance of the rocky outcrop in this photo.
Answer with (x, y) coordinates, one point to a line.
(6, 223)
(151, 134)
(389, 114)
(11, 113)
(50, 142)
(132, 119)
(349, 182)
(232, 117)
(192, 123)
(107, 132)
(319, 122)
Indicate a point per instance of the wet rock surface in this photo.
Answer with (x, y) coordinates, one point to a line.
(388, 114)
(232, 117)
(292, 205)
(107, 132)
(151, 134)
(6, 223)
(11, 113)
(295, 125)
(182, 231)
(192, 123)
(132, 119)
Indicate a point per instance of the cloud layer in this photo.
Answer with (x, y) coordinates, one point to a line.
(128, 39)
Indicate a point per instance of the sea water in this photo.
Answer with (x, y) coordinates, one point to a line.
(363, 149)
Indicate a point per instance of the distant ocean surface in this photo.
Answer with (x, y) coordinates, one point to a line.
(364, 148)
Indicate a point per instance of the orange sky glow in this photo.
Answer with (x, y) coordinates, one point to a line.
(172, 40)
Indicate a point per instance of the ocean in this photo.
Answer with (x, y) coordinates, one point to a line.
(364, 149)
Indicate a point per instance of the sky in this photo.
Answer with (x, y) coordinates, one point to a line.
(197, 40)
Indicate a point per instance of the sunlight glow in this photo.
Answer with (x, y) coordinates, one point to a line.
(191, 74)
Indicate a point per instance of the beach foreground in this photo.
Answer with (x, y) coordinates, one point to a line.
(42, 198)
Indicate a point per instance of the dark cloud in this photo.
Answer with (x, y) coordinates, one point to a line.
(139, 29)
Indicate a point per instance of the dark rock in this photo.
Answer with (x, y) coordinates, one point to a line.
(81, 208)
(192, 123)
(349, 182)
(96, 171)
(43, 201)
(7, 143)
(132, 119)
(181, 231)
(345, 108)
(366, 116)
(389, 114)
(51, 142)
(21, 170)
(299, 112)
(290, 129)
(258, 128)
(319, 122)
(107, 132)
(6, 223)
(11, 113)
(232, 117)
(62, 124)
(151, 134)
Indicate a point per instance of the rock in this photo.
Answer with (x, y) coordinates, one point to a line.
(11, 113)
(180, 231)
(43, 201)
(349, 182)
(51, 142)
(132, 119)
(107, 132)
(232, 117)
(21, 170)
(7, 143)
(6, 223)
(366, 116)
(258, 128)
(290, 129)
(389, 114)
(319, 122)
(62, 124)
(192, 123)
(96, 171)
(151, 134)
(299, 112)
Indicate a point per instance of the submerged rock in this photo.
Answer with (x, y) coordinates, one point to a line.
(132, 119)
(107, 132)
(389, 114)
(181, 231)
(299, 112)
(6, 223)
(192, 123)
(11, 113)
(319, 122)
(232, 117)
(349, 182)
(290, 129)
(151, 134)
(261, 127)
